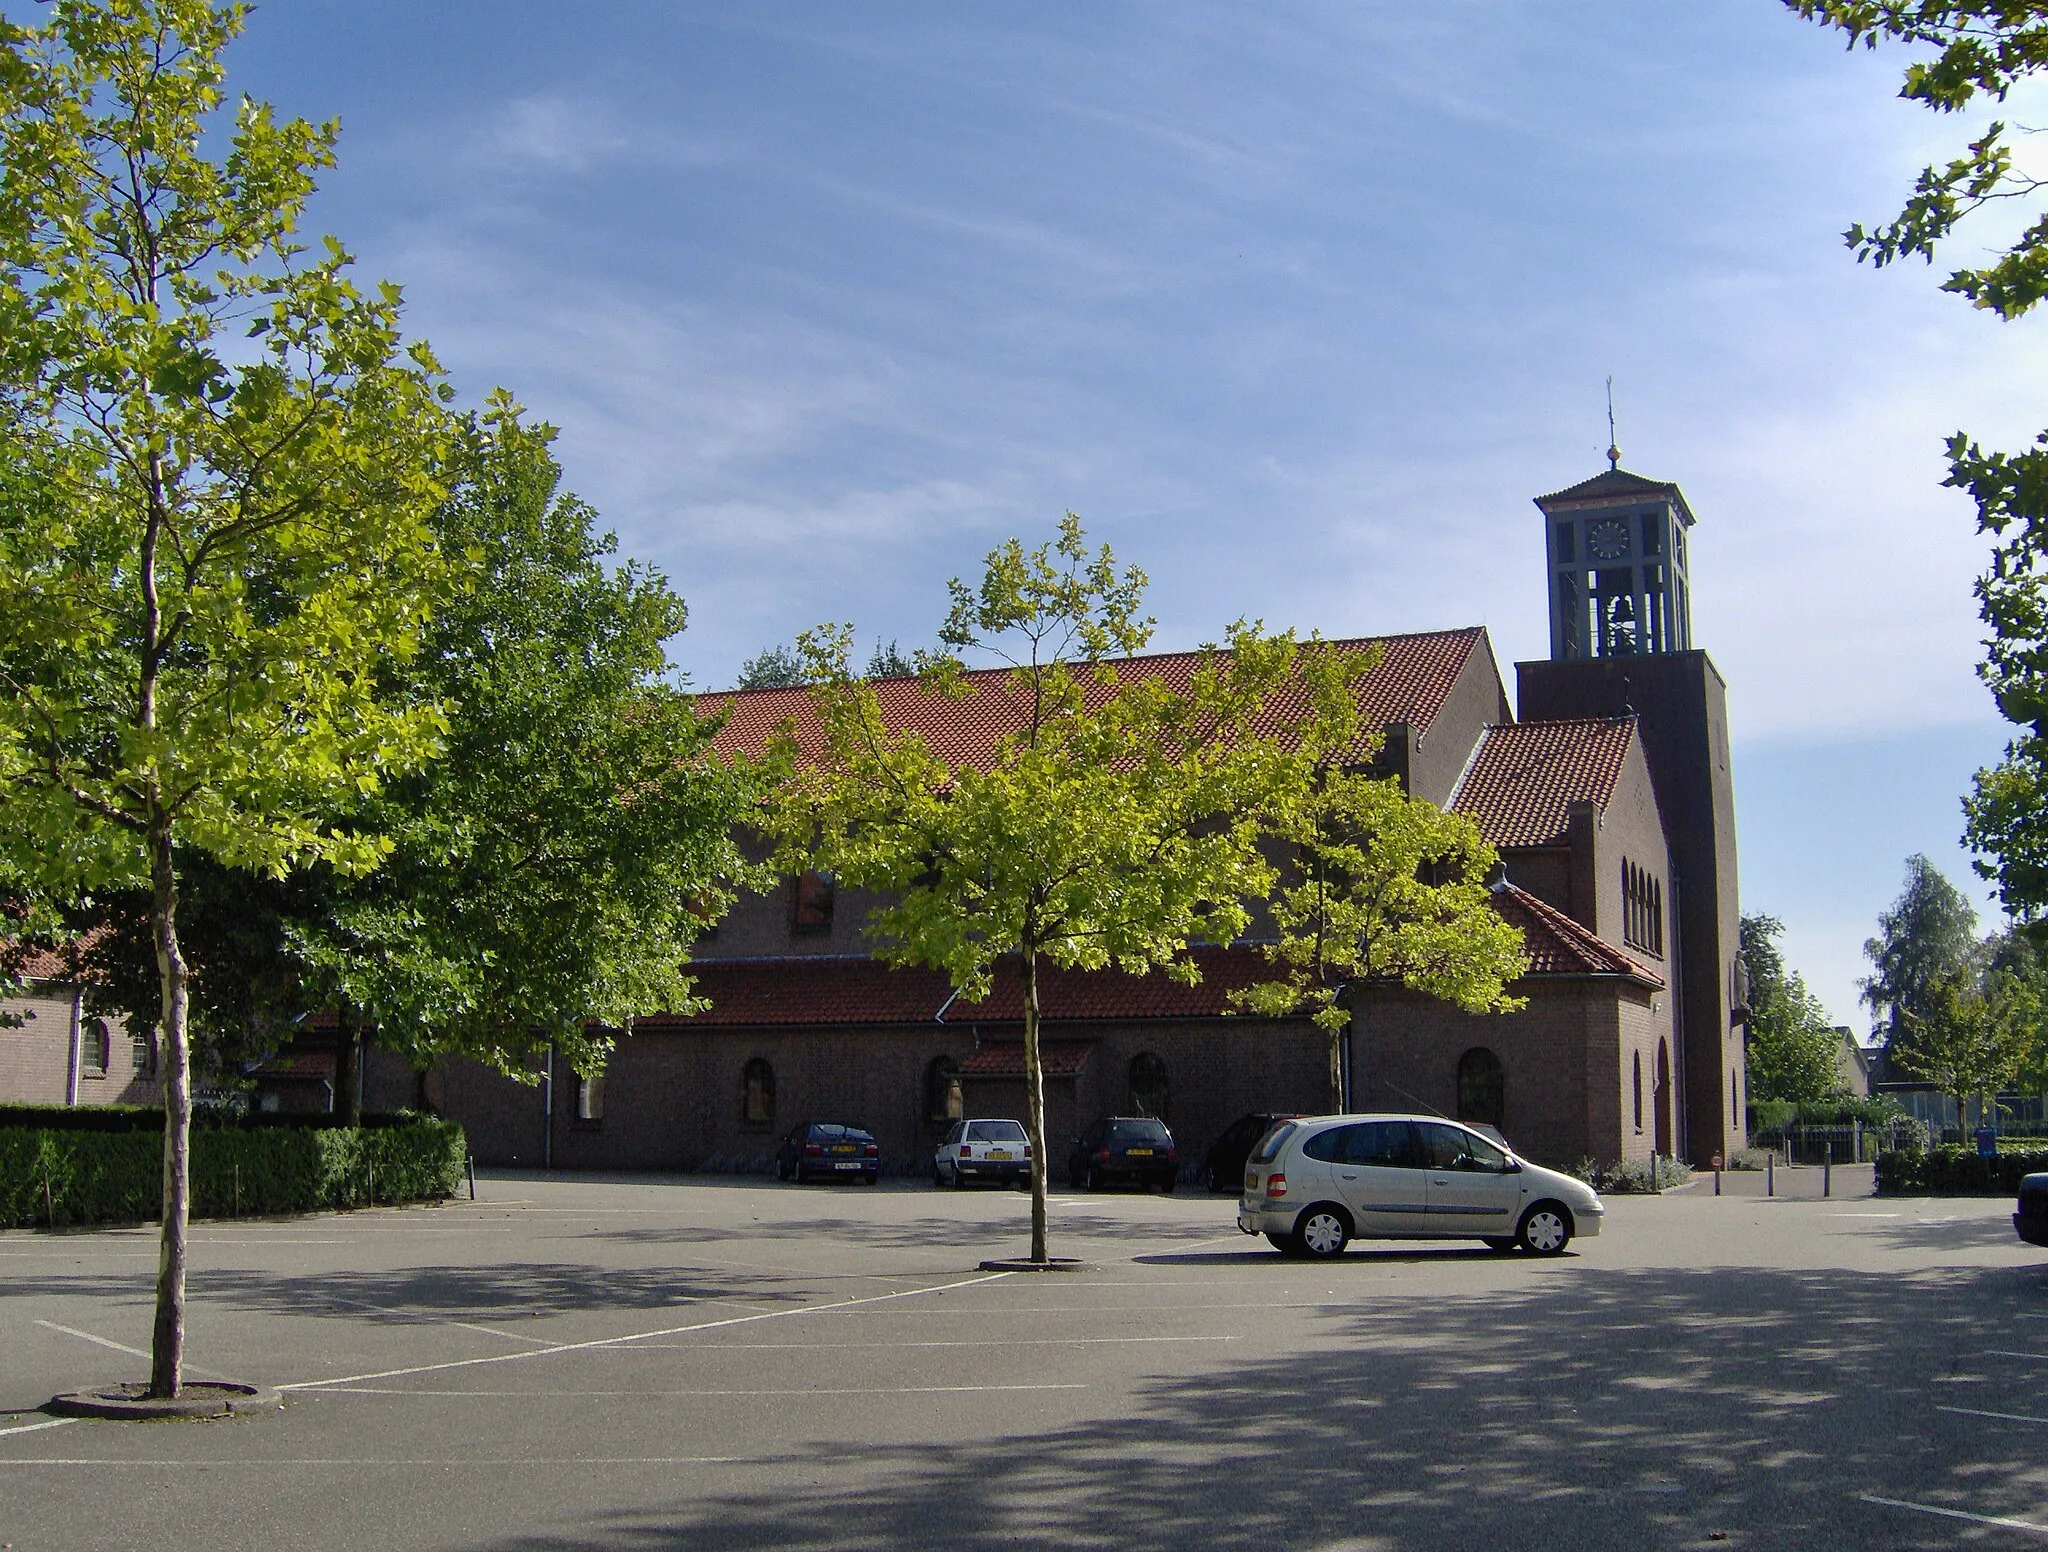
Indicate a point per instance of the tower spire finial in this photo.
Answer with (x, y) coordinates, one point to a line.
(1613, 450)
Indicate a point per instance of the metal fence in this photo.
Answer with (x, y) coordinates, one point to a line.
(1851, 1143)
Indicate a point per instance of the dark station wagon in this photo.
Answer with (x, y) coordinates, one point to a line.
(2030, 1221)
(829, 1150)
(1124, 1148)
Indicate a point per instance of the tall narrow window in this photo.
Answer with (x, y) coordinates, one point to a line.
(1642, 909)
(142, 1052)
(1148, 1084)
(812, 915)
(942, 1091)
(1482, 1087)
(590, 1099)
(97, 1043)
(757, 1093)
(1636, 1062)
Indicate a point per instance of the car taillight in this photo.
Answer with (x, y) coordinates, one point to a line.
(813, 1151)
(872, 1151)
(1172, 1154)
(1027, 1150)
(1102, 1154)
(1276, 1185)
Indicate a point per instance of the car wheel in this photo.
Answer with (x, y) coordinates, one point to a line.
(959, 1180)
(1498, 1245)
(796, 1173)
(1284, 1243)
(1166, 1185)
(938, 1177)
(1094, 1179)
(1545, 1230)
(1323, 1231)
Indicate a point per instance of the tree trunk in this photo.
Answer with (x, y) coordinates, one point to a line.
(348, 1058)
(167, 1348)
(1034, 1084)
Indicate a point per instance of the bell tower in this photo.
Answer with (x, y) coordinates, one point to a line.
(1621, 645)
(1617, 567)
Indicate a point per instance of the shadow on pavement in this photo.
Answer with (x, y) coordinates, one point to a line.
(1621, 1409)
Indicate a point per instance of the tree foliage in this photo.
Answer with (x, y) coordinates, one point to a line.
(549, 869)
(1970, 1036)
(1382, 888)
(219, 467)
(1979, 50)
(1117, 824)
(1928, 934)
(1792, 1048)
(772, 668)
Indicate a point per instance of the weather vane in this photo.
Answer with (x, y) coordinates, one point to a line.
(1613, 451)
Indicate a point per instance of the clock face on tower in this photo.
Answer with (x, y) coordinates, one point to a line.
(1607, 538)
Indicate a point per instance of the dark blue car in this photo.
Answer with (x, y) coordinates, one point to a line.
(829, 1150)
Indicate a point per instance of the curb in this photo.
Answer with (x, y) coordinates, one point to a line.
(1051, 1264)
(197, 1398)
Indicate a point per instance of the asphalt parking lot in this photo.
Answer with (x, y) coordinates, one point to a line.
(651, 1363)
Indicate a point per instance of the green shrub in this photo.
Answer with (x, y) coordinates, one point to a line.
(1954, 1171)
(56, 1176)
(1633, 1177)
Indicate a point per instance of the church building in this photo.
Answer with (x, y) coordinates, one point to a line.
(1605, 786)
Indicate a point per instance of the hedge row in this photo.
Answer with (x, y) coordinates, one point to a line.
(1953, 1171)
(50, 1177)
(150, 1118)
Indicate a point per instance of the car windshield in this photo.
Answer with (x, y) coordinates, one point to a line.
(833, 1131)
(1140, 1132)
(995, 1131)
(1270, 1145)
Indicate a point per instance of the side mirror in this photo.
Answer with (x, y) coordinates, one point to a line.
(1514, 1167)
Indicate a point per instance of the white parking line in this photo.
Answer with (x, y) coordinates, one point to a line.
(1999, 1352)
(2003, 1417)
(618, 1341)
(121, 1347)
(57, 1422)
(349, 1461)
(864, 1390)
(1956, 1514)
(838, 1347)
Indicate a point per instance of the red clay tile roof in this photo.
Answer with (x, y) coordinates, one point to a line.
(750, 992)
(1056, 1058)
(1525, 774)
(1558, 945)
(1414, 677)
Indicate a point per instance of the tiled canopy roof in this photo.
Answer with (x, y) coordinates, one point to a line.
(1526, 774)
(1615, 485)
(1410, 684)
(1558, 945)
(1056, 1059)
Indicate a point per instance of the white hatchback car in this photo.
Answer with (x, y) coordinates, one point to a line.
(1314, 1184)
(983, 1150)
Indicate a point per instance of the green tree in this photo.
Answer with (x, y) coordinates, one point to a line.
(1928, 934)
(890, 663)
(549, 870)
(1382, 888)
(1970, 1039)
(1981, 50)
(1791, 1046)
(772, 668)
(215, 497)
(1117, 823)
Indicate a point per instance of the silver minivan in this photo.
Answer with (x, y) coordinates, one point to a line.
(1314, 1184)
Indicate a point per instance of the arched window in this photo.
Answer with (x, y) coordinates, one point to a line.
(1636, 1061)
(757, 1093)
(942, 1091)
(97, 1046)
(1148, 1085)
(1661, 1099)
(1482, 1087)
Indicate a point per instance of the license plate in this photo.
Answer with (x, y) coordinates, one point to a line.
(842, 1147)
(853, 1165)
(1139, 1153)
(999, 1153)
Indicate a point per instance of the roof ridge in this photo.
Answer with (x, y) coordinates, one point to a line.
(1135, 657)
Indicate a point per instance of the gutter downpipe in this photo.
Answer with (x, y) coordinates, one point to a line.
(71, 1071)
(547, 1112)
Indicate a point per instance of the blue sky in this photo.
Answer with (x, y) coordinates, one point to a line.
(1297, 305)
